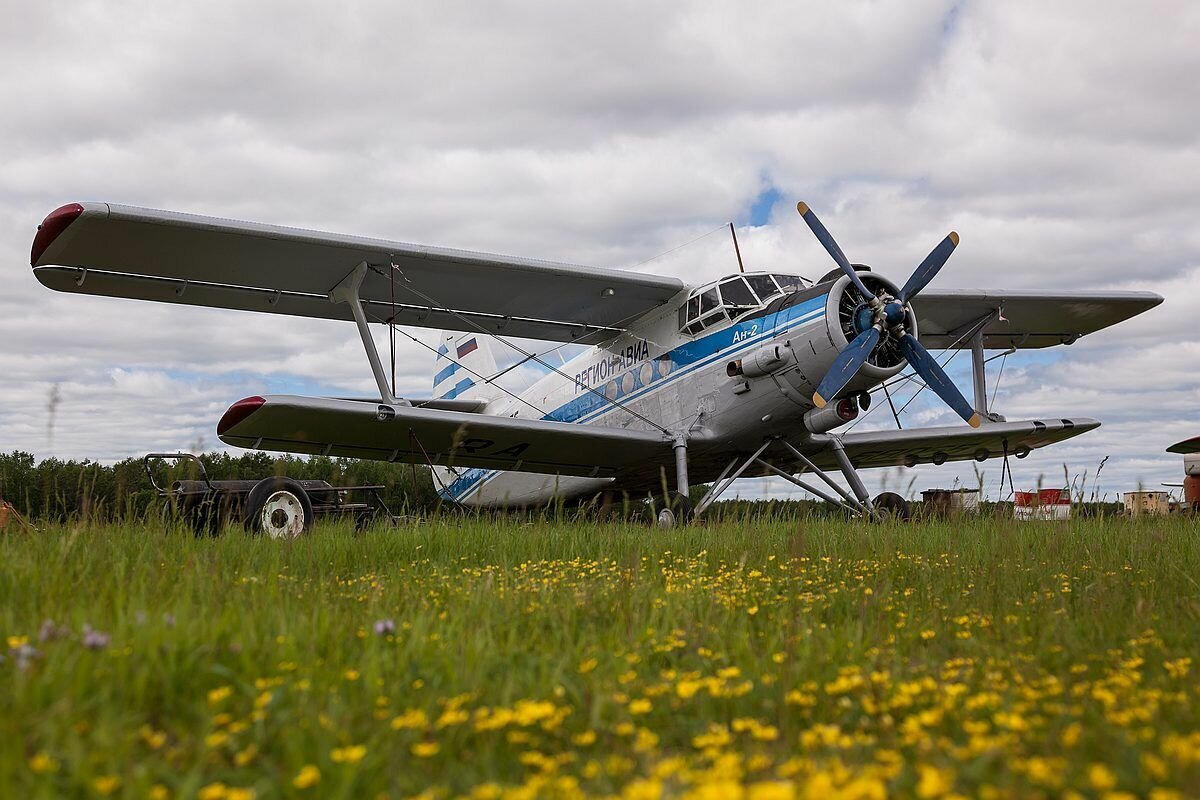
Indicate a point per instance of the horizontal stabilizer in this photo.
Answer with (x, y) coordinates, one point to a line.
(359, 429)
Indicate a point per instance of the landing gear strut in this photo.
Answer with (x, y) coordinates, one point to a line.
(859, 504)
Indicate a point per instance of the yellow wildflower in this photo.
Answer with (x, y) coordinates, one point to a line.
(587, 666)
(640, 706)
(1101, 777)
(642, 789)
(933, 782)
(214, 791)
(425, 749)
(308, 776)
(106, 784)
(43, 762)
(351, 754)
(220, 693)
(771, 790)
(413, 718)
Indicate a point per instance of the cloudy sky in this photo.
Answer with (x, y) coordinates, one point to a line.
(1060, 140)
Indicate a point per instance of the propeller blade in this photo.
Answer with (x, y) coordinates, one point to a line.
(936, 378)
(827, 241)
(928, 268)
(846, 365)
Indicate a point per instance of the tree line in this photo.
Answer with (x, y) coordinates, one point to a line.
(56, 490)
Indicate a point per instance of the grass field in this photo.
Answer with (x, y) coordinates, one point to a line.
(776, 659)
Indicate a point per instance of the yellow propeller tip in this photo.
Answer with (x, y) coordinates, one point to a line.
(818, 401)
(802, 207)
(954, 238)
(974, 420)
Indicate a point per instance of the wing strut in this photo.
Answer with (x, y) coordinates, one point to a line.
(347, 291)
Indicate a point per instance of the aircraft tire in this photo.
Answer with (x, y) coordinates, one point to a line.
(675, 509)
(892, 506)
(278, 507)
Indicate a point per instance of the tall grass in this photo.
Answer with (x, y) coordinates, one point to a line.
(563, 657)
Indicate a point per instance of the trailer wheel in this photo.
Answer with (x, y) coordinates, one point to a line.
(278, 507)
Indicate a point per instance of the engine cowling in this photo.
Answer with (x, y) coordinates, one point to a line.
(840, 309)
(812, 354)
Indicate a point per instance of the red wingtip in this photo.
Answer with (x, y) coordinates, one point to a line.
(238, 412)
(51, 228)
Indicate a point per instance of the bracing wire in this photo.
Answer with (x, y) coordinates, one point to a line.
(912, 377)
(529, 356)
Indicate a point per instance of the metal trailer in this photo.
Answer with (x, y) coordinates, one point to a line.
(277, 506)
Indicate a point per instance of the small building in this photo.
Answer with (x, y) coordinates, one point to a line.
(1044, 504)
(1154, 504)
(950, 502)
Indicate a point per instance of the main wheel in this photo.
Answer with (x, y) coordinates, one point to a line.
(892, 505)
(278, 507)
(675, 509)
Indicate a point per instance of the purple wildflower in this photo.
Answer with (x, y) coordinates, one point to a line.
(385, 627)
(94, 639)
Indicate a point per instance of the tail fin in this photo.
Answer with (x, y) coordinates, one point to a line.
(461, 359)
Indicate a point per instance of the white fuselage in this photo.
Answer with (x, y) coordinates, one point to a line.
(654, 377)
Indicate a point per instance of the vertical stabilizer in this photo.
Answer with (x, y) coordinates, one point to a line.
(461, 359)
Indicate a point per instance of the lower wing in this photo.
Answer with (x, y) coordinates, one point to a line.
(363, 429)
(939, 445)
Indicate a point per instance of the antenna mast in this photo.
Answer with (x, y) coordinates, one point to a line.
(736, 249)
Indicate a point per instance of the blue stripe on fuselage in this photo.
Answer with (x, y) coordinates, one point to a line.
(687, 358)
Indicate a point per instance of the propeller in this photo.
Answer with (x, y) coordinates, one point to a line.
(882, 317)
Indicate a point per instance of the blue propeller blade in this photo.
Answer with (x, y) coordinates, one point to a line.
(846, 365)
(936, 378)
(929, 268)
(831, 246)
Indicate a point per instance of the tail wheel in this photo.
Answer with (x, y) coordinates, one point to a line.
(278, 507)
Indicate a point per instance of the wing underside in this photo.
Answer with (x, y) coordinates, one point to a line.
(123, 251)
(958, 443)
(1021, 319)
(360, 429)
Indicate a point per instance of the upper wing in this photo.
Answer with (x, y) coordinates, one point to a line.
(360, 429)
(122, 251)
(959, 443)
(1027, 319)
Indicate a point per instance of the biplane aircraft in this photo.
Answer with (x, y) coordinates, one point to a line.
(752, 374)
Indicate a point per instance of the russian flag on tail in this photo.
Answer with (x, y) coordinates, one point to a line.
(469, 346)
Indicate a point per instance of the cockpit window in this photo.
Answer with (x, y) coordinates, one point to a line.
(763, 286)
(735, 292)
(790, 283)
(731, 298)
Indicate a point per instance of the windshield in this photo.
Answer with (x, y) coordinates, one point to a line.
(733, 297)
